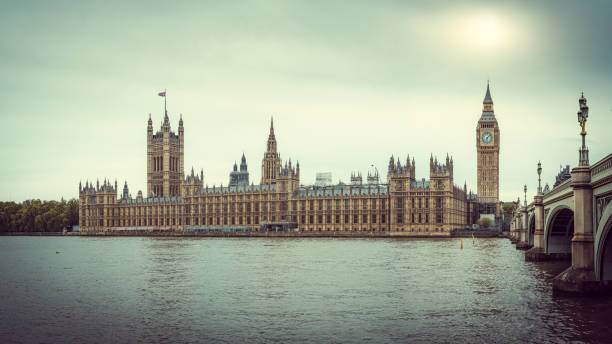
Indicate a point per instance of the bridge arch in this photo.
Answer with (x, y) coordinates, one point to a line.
(559, 230)
(603, 246)
(531, 229)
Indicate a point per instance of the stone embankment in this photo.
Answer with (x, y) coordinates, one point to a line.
(321, 234)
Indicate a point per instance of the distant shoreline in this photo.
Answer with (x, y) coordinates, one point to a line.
(322, 234)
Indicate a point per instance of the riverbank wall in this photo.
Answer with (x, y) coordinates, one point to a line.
(321, 234)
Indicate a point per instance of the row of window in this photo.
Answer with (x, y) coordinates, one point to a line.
(240, 220)
(419, 217)
(417, 202)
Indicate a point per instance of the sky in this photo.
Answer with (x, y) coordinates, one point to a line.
(349, 83)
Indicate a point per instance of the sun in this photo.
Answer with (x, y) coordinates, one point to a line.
(486, 30)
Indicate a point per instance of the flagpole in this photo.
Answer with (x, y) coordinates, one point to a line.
(165, 109)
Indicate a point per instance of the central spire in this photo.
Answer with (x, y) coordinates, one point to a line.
(271, 164)
(271, 138)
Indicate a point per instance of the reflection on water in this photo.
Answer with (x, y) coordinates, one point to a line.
(285, 290)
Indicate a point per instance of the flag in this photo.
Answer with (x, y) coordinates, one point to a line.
(162, 94)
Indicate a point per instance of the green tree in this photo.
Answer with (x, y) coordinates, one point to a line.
(484, 222)
(38, 216)
(73, 212)
(508, 209)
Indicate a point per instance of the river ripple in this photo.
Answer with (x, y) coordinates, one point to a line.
(262, 290)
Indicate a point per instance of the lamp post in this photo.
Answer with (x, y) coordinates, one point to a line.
(583, 114)
(539, 178)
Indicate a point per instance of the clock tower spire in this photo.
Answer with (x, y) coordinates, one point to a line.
(487, 149)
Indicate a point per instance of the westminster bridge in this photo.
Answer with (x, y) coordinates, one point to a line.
(571, 221)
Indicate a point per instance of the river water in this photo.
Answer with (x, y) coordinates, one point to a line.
(260, 290)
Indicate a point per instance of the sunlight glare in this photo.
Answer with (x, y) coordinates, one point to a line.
(487, 31)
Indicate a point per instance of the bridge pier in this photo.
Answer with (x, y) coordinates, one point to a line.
(523, 243)
(580, 279)
(513, 233)
(537, 252)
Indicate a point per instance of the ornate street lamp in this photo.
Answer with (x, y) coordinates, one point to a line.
(539, 178)
(583, 114)
(525, 190)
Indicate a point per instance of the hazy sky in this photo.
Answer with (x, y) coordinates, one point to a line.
(349, 83)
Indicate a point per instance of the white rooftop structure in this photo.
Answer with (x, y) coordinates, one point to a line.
(323, 179)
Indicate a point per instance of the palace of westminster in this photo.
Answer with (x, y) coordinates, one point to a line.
(279, 202)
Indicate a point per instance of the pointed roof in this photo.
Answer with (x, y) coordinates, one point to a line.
(487, 107)
(271, 128)
(487, 98)
(271, 147)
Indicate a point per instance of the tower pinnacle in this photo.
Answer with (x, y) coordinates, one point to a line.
(487, 104)
(271, 138)
(487, 98)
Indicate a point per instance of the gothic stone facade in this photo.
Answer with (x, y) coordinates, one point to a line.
(402, 204)
(165, 162)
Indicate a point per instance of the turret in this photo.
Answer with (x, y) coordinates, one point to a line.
(181, 130)
(166, 124)
(239, 177)
(408, 163)
(243, 164)
(150, 126)
(126, 193)
(373, 175)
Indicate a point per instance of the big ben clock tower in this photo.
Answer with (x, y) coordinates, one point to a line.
(487, 146)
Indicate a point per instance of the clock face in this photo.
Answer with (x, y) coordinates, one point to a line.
(486, 137)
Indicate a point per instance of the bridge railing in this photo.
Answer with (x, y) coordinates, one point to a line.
(563, 187)
(601, 166)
